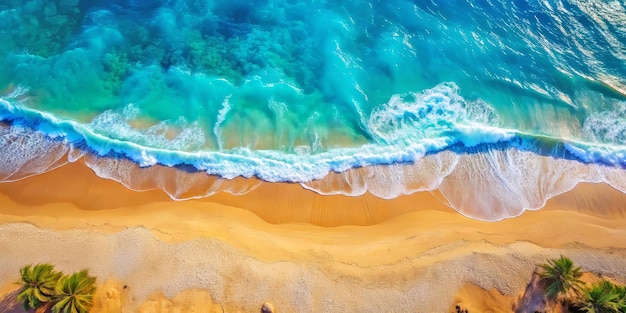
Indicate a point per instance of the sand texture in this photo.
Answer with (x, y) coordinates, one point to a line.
(301, 251)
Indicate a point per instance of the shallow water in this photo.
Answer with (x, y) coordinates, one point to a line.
(392, 97)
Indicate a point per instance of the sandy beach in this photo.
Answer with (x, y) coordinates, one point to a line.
(301, 251)
(312, 156)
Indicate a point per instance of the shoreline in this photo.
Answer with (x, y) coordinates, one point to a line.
(408, 252)
(515, 181)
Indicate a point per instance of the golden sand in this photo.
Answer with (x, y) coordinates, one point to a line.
(299, 250)
(476, 299)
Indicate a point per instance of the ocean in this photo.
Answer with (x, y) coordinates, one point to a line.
(500, 105)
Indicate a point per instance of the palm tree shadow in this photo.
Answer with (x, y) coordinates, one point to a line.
(9, 304)
(532, 300)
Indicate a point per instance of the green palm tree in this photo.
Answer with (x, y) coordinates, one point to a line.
(560, 277)
(621, 292)
(74, 293)
(38, 283)
(602, 297)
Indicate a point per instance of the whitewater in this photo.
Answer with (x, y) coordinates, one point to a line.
(500, 105)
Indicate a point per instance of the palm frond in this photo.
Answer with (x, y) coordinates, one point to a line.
(38, 283)
(75, 293)
(560, 277)
(602, 297)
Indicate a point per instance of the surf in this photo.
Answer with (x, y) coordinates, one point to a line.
(519, 101)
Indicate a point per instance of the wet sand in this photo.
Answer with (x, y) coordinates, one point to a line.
(300, 250)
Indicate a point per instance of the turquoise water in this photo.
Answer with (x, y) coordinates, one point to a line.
(299, 90)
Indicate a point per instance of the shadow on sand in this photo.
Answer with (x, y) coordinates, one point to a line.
(9, 304)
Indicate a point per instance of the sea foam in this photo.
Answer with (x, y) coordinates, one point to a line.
(423, 141)
(514, 101)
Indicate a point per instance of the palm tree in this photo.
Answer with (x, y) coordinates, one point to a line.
(74, 293)
(621, 292)
(560, 277)
(38, 284)
(603, 297)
